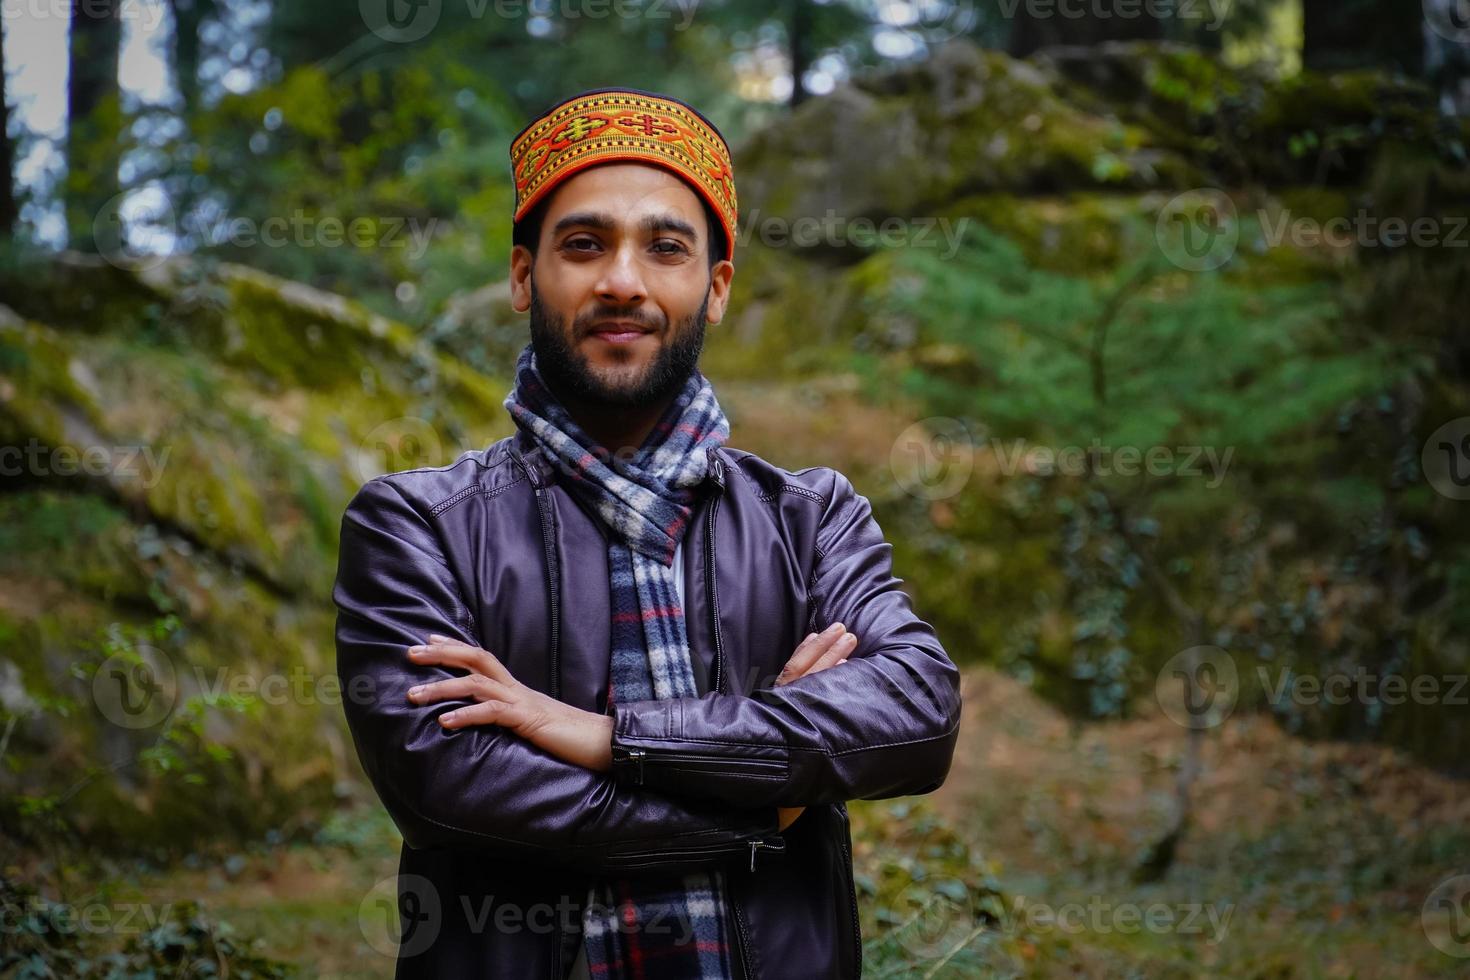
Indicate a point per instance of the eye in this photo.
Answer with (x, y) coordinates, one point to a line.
(575, 244)
(667, 246)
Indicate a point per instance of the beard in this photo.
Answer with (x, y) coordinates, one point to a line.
(570, 377)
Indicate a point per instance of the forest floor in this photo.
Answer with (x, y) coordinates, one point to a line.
(1304, 859)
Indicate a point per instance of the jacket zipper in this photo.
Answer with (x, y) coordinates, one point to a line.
(847, 872)
(742, 938)
(777, 845)
(694, 760)
(548, 540)
(717, 682)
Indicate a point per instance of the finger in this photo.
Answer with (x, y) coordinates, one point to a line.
(808, 652)
(824, 654)
(457, 654)
(475, 686)
(786, 675)
(839, 651)
(483, 713)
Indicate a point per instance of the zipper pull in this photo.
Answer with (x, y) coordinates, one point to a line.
(754, 846)
(630, 755)
(637, 756)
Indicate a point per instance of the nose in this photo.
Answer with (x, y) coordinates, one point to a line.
(621, 283)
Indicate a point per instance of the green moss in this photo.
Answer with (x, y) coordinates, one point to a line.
(233, 530)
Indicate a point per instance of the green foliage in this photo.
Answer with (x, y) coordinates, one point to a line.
(929, 902)
(1246, 390)
(1146, 356)
(46, 941)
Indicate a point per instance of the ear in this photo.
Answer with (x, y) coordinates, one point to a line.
(719, 290)
(520, 278)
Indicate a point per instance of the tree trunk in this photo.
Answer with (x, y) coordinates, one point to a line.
(1032, 30)
(94, 117)
(9, 209)
(189, 18)
(798, 35)
(1340, 34)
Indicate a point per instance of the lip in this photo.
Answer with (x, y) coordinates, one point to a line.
(619, 331)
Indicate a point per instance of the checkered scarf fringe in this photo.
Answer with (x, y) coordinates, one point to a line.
(653, 926)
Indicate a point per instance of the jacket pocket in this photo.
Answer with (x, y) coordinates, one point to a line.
(632, 860)
(632, 764)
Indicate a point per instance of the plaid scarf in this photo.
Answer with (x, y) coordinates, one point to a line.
(655, 925)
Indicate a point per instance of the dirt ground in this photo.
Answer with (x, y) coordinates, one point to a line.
(1303, 859)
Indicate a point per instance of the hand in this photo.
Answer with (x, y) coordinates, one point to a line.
(571, 734)
(818, 652)
(815, 653)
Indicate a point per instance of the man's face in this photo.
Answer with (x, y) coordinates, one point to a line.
(620, 288)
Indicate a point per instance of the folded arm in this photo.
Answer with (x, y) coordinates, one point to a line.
(484, 787)
(883, 725)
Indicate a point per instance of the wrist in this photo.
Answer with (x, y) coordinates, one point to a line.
(601, 742)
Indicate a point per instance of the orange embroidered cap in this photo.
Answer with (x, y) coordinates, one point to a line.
(623, 124)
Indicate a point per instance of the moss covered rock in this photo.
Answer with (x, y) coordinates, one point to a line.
(181, 450)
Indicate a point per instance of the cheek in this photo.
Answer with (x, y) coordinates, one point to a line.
(681, 300)
(564, 298)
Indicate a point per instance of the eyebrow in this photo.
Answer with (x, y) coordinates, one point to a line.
(605, 222)
(665, 222)
(585, 219)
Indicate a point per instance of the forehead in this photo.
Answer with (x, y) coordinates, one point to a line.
(625, 192)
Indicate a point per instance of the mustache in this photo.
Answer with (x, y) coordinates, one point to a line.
(584, 324)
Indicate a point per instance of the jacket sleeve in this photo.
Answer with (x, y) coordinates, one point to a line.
(485, 787)
(883, 724)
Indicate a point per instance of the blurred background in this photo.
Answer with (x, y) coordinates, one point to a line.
(1141, 323)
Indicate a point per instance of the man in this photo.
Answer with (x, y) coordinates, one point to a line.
(624, 676)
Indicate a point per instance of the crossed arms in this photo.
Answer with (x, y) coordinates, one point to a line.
(664, 784)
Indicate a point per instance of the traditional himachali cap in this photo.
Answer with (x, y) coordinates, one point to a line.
(624, 124)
